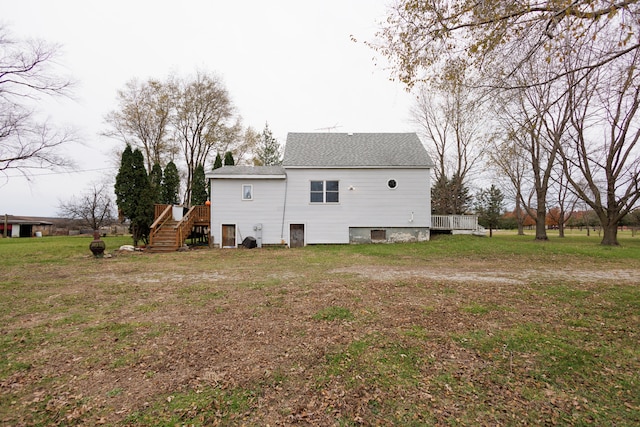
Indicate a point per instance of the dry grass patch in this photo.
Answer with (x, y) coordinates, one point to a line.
(342, 335)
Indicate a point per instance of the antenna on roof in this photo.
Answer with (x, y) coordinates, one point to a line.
(330, 128)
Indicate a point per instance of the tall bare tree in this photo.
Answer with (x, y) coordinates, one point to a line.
(203, 110)
(605, 152)
(26, 75)
(565, 200)
(536, 118)
(510, 161)
(452, 118)
(142, 120)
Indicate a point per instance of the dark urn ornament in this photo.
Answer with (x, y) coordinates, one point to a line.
(97, 246)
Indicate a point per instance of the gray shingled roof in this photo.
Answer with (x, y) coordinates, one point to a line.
(248, 170)
(355, 150)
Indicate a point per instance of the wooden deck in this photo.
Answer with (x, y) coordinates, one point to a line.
(168, 234)
(457, 224)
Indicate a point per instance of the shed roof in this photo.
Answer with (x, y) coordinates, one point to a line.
(255, 172)
(355, 150)
(22, 220)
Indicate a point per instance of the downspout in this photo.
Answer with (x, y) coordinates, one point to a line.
(284, 206)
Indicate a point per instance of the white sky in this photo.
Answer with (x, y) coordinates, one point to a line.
(289, 63)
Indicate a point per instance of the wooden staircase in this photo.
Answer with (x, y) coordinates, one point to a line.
(165, 238)
(168, 235)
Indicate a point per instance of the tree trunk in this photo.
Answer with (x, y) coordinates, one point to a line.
(610, 237)
(519, 216)
(541, 227)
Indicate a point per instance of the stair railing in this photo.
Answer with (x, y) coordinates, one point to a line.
(165, 216)
(183, 227)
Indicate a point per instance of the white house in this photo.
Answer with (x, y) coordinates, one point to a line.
(331, 188)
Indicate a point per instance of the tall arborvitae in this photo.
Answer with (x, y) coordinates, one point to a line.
(143, 214)
(228, 159)
(171, 185)
(218, 162)
(156, 183)
(134, 195)
(124, 185)
(198, 186)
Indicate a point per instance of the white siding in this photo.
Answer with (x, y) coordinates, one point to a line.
(370, 204)
(227, 207)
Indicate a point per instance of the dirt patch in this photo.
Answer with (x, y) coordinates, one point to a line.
(491, 276)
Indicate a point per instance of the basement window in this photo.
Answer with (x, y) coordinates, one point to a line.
(378, 235)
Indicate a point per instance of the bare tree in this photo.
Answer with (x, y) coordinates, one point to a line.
(26, 74)
(536, 119)
(94, 208)
(202, 112)
(142, 120)
(245, 151)
(452, 118)
(510, 161)
(605, 152)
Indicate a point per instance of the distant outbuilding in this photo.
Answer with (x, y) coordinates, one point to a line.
(17, 226)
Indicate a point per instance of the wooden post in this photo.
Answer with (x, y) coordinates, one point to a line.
(6, 224)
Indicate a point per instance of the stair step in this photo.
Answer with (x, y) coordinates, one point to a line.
(164, 238)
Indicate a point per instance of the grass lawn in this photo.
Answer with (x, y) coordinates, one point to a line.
(456, 331)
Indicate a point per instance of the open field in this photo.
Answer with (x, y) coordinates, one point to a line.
(456, 331)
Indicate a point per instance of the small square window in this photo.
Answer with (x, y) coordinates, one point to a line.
(378, 235)
(247, 192)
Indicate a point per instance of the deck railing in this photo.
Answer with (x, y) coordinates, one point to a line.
(454, 222)
(159, 210)
(197, 215)
(162, 214)
(202, 215)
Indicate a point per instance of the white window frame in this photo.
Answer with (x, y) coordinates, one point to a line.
(244, 192)
(324, 191)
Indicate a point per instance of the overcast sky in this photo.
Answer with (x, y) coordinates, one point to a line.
(292, 64)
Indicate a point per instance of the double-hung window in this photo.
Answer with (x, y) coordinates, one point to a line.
(325, 192)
